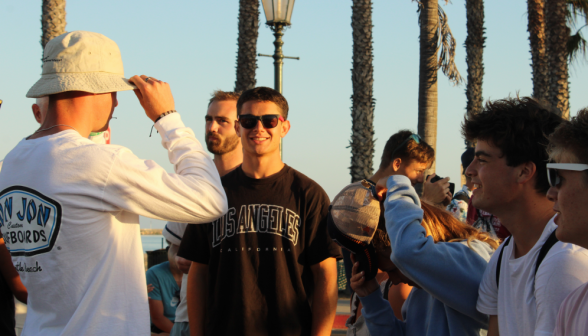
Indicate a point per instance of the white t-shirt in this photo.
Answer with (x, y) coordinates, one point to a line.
(573, 314)
(70, 218)
(527, 304)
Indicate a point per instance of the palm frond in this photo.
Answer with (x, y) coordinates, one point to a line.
(576, 46)
(447, 55)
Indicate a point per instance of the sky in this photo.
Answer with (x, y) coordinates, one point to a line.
(193, 44)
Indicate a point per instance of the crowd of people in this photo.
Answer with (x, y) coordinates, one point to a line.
(254, 242)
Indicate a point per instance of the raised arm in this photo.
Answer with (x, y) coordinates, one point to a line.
(193, 194)
(451, 272)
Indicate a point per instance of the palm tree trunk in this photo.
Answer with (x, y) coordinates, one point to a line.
(536, 28)
(557, 33)
(52, 20)
(363, 103)
(474, 44)
(427, 121)
(247, 44)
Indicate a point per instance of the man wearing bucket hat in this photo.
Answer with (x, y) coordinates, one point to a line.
(70, 207)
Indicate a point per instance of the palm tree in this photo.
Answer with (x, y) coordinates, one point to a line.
(52, 20)
(474, 45)
(576, 45)
(363, 103)
(557, 31)
(247, 44)
(536, 28)
(435, 33)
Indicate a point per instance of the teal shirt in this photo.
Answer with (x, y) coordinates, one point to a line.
(165, 289)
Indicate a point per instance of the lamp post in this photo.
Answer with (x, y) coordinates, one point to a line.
(278, 14)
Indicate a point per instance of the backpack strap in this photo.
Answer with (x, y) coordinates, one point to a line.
(506, 241)
(545, 249)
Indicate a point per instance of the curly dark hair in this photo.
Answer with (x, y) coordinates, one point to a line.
(421, 152)
(263, 94)
(519, 128)
(571, 137)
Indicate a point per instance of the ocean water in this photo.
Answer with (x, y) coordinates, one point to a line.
(153, 242)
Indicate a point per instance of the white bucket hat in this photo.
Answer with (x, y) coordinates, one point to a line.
(81, 61)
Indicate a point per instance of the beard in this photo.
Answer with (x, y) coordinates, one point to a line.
(219, 146)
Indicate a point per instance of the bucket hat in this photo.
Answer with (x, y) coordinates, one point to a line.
(81, 61)
(352, 222)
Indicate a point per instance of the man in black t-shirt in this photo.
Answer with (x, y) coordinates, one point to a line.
(267, 267)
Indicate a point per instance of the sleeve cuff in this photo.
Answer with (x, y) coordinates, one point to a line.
(486, 310)
(168, 123)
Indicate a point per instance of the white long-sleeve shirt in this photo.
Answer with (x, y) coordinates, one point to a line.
(70, 213)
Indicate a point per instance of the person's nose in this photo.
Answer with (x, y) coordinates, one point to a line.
(471, 170)
(552, 194)
(212, 126)
(259, 127)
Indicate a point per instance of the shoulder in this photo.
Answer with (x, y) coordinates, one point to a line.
(565, 257)
(305, 183)
(481, 248)
(159, 269)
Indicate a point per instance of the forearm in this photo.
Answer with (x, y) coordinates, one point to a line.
(324, 305)
(194, 194)
(197, 298)
(162, 323)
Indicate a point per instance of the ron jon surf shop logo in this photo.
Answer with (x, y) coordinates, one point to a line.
(29, 221)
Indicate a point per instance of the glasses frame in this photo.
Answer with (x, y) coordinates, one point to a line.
(259, 118)
(552, 169)
(415, 137)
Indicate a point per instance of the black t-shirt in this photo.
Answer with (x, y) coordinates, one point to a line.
(7, 309)
(260, 252)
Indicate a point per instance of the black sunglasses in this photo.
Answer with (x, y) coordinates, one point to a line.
(249, 121)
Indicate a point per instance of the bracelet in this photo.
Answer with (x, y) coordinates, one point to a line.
(164, 114)
(159, 118)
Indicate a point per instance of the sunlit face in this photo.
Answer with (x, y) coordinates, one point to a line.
(386, 265)
(413, 169)
(494, 181)
(570, 198)
(221, 117)
(259, 141)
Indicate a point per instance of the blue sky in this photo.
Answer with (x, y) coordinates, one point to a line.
(193, 44)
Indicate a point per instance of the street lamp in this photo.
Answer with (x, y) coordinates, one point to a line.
(278, 14)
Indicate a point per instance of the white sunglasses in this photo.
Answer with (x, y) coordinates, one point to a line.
(552, 168)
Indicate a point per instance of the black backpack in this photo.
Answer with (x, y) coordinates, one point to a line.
(542, 253)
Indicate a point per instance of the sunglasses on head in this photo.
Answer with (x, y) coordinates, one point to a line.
(553, 177)
(414, 137)
(249, 121)
(369, 185)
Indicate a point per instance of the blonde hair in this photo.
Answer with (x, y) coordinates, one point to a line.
(443, 227)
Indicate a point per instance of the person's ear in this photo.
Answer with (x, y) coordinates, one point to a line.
(37, 113)
(285, 127)
(238, 128)
(526, 172)
(396, 164)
